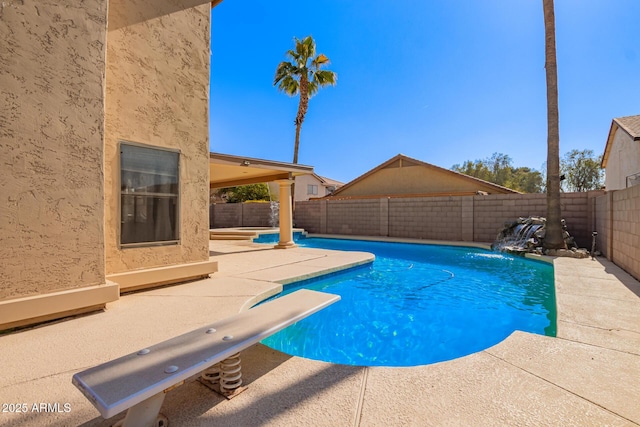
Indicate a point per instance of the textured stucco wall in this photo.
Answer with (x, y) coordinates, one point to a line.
(51, 134)
(302, 182)
(413, 180)
(157, 93)
(624, 160)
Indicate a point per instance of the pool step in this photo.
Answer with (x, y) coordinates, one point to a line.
(230, 235)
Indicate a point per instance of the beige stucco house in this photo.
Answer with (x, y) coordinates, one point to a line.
(621, 159)
(402, 176)
(313, 186)
(309, 186)
(104, 149)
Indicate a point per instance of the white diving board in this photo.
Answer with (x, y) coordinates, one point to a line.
(138, 381)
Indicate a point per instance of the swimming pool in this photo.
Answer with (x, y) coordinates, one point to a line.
(419, 304)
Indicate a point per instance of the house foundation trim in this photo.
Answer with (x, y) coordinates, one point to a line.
(41, 308)
(152, 277)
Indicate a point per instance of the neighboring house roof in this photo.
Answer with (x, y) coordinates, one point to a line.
(400, 160)
(329, 185)
(629, 124)
(328, 181)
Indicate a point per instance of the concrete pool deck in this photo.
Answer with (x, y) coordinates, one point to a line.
(588, 375)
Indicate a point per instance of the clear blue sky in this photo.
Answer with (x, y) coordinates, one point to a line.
(441, 81)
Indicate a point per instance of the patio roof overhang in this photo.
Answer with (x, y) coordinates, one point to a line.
(229, 171)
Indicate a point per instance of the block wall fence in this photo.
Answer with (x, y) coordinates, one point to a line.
(466, 219)
(224, 215)
(615, 215)
(618, 226)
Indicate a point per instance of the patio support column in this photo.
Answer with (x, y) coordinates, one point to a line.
(286, 216)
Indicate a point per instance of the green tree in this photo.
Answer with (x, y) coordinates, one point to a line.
(498, 169)
(246, 193)
(582, 170)
(477, 169)
(526, 180)
(553, 238)
(501, 168)
(303, 76)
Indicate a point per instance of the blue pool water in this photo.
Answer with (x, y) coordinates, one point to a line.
(275, 237)
(419, 304)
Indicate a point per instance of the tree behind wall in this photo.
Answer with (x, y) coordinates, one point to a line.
(582, 171)
(499, 170)
(244, 193)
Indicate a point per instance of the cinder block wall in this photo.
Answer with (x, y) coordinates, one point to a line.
(469, 218)
(603, 224)
(491, 212)
(256, 214)
(352, 217)
(438, 218)
(625, 224)
(224, 215)
(309, 214)
(576, 210)
(615, 215)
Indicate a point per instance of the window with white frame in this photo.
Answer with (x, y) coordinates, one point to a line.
(312, 189)
(149, 195)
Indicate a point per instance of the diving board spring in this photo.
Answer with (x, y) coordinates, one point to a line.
(212, 374)
(230, 374)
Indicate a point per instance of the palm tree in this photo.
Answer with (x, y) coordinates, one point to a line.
(553, 238)
(303, 75)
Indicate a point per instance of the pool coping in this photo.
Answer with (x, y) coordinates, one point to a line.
(479, 245)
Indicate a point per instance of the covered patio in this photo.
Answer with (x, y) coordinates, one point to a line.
(227, 170)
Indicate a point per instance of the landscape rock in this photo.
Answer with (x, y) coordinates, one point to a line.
(528, 234)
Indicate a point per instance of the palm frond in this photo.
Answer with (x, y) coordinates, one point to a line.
(306, 49)
(325, 77)
(289, 85)
(312, 88)
(320, 60)
(284, 69)
(293, 55)
(304, 62)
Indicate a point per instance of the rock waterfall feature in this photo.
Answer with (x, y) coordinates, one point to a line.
(526, 235)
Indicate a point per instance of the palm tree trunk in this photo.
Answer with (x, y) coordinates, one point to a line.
(553, 237)
(303, 106)
(296, 145)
